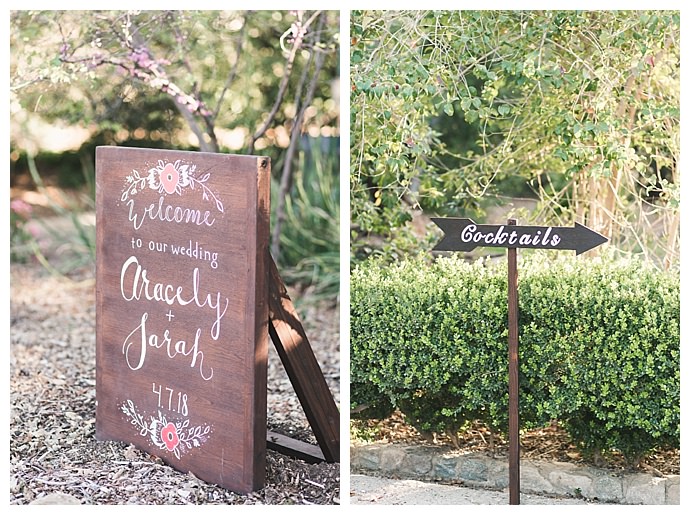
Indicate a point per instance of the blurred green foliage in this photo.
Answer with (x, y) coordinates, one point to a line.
(451, 109)
(310, 251)
(130, 71)
(228, 81)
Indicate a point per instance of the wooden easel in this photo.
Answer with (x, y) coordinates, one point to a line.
(297, 356)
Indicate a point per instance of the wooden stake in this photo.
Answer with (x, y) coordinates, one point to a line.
(513, 386)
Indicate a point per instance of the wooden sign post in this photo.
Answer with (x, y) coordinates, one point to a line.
(464, 234)
(182, 309)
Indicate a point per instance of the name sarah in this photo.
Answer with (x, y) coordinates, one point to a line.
(139, 340)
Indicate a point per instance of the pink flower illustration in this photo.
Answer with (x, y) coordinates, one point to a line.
(169, 436)
(177, 437)
(170, 178)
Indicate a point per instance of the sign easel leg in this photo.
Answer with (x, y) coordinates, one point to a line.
(513, 387)
(297, 356)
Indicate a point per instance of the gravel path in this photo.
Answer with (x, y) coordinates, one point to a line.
(53, 449)
(368, 490)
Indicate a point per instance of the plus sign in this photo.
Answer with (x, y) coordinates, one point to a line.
(170, 315)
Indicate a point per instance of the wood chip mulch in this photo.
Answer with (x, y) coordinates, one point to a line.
(53, 448)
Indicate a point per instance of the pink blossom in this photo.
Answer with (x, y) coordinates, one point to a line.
(170, 437)
(21, 208)
(170, 177)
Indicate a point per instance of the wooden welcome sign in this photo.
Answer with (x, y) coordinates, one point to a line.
(182, 309)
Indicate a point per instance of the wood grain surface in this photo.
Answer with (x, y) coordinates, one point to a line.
(182, 309)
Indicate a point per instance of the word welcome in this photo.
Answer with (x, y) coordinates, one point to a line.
(168, 213)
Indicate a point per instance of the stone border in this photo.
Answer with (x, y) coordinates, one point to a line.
(537, 477)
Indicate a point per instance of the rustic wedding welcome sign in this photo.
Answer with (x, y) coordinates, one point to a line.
(181, 313)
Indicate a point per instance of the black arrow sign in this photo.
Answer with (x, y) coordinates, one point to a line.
(465, 234)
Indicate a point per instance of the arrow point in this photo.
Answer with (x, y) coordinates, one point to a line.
(593, 238)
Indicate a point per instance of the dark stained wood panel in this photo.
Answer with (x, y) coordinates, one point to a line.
(182, 309)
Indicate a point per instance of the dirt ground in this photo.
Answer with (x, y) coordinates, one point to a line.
(53, 448)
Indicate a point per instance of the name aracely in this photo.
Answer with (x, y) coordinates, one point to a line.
(507, 236)
(135, 285)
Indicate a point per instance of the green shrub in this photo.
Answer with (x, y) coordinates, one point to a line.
(599, 346)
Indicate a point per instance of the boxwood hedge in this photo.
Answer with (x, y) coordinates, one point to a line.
(599, 347)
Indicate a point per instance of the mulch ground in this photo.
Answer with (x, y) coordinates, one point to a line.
(53, 448)
(550, 443)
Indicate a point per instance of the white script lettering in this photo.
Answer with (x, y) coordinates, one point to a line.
(135, 285)
(169, 213)
(507, 237)
(134, 348)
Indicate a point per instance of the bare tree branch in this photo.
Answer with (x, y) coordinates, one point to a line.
(186, 104)
(299, 33)
(295, 133)
(233, 71)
